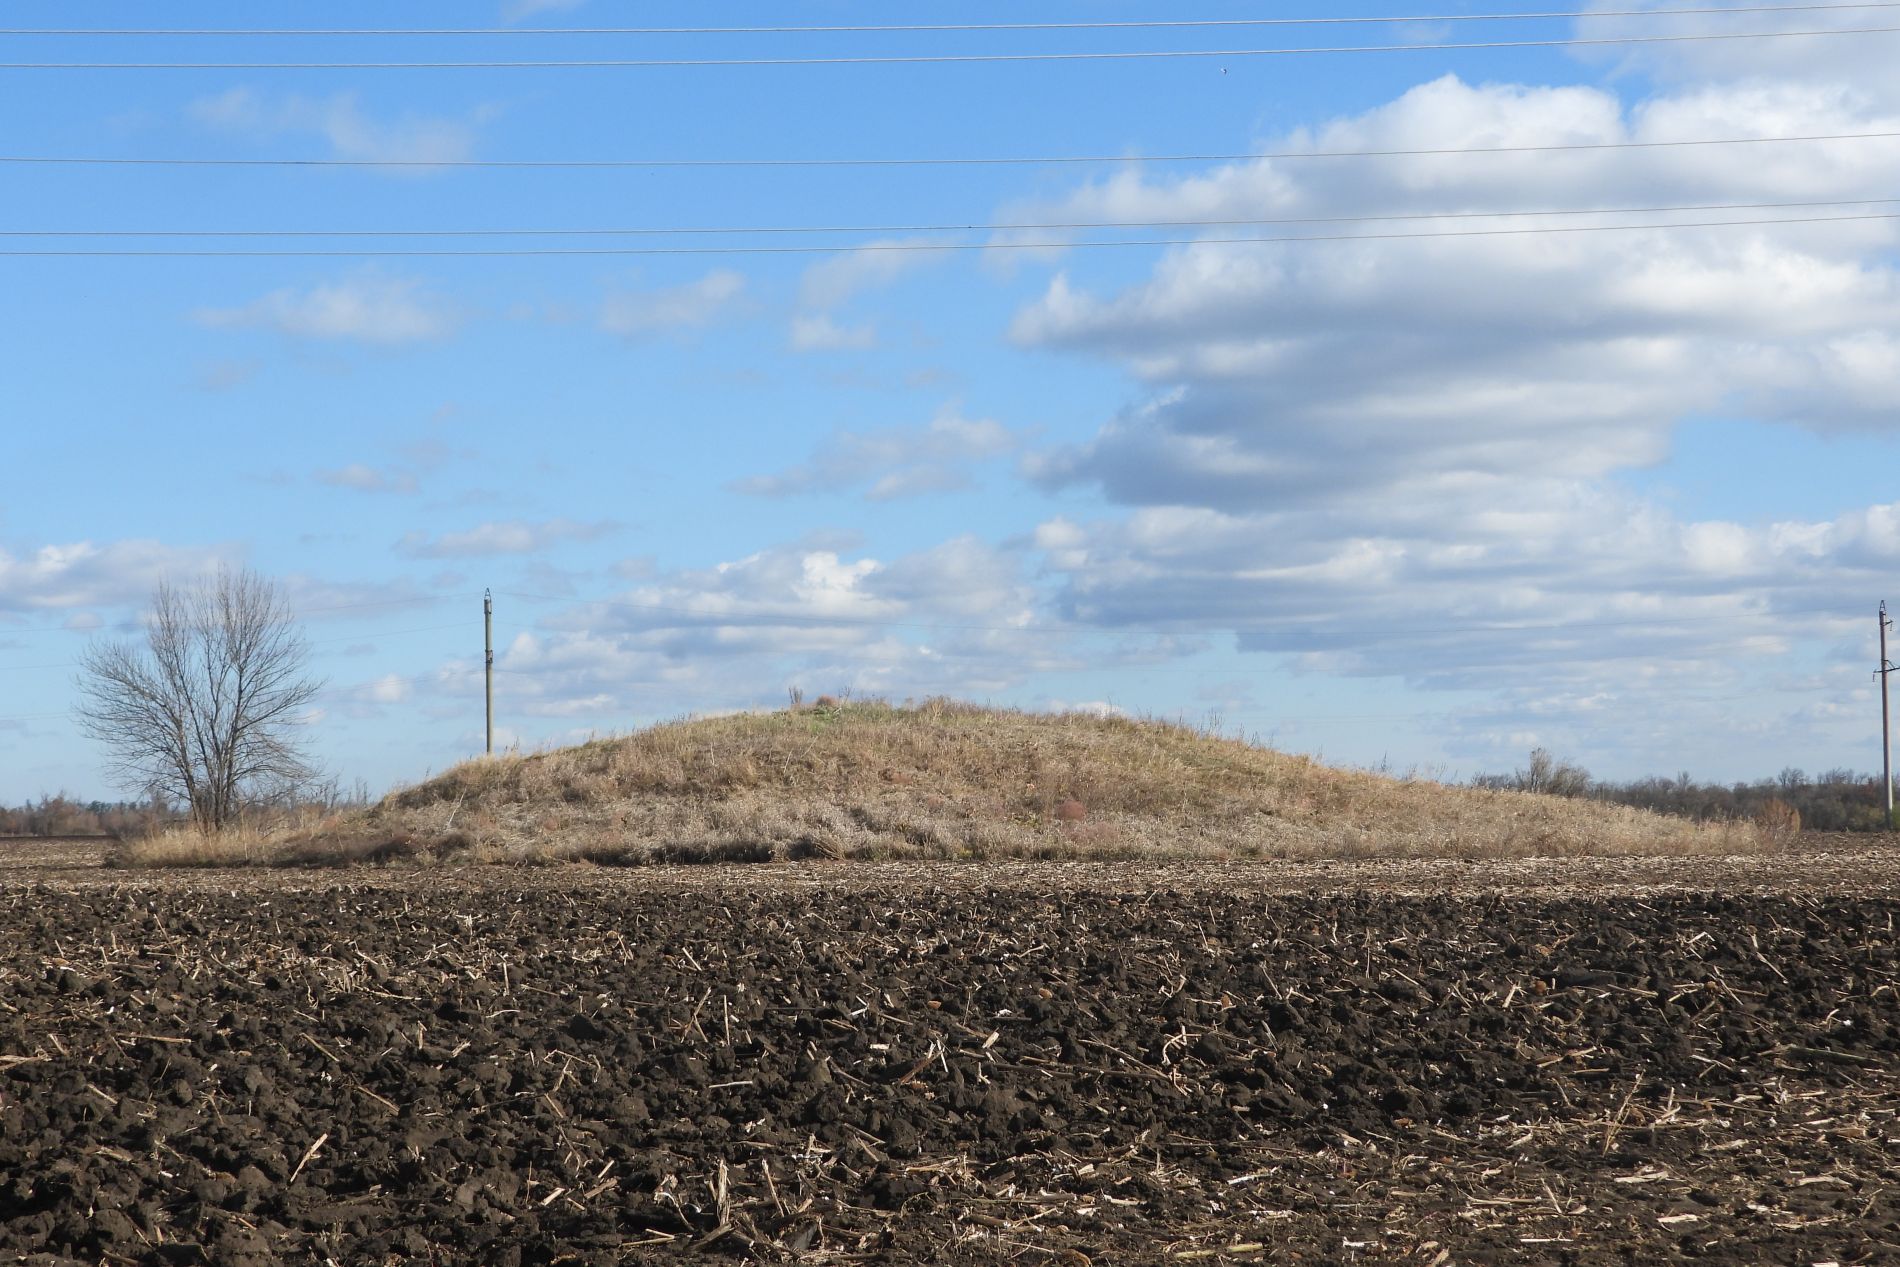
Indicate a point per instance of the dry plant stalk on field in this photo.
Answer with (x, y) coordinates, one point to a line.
(470, 1066)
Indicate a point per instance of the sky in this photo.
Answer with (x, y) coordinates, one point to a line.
(1494, 459)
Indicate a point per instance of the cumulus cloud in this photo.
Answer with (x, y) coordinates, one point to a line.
(419, 458)
(369, 479)
(1850, 58)
(639, 313)
(1559, 603)
(884, 261)
(895, 462)
(369, 308)
(225, 375)
(317, 597)
(958, 618)
(91, 574)
(1400, 458)
(341, 121)
(515, 536)
(1342, 374)
(817, 332)
(388, 689)
(962, 575)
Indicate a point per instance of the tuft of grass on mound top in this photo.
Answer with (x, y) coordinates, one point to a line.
(941, 780)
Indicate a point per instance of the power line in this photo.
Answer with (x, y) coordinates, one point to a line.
(456, 673)
(912, 59)
(711, 230)
(7, 631)
(939, 28)
(360, 636)
(1258, 711)
(898, 247)
(955, 161)
(418, 600)
(767, 619)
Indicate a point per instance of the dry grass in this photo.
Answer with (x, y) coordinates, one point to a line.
(943, 780)
(319, 841)
(187, 847)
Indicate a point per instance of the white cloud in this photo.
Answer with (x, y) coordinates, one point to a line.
(1317, 372)
(89, 574)
(514, 536)
(316, 597)
(1390, 458)
(963, 574)
(916, 481)
(388, 689)
(369, 479)
(884, 261)
(225, 375)
(1858, 64)
(368, 308)
(697, 304)
(517, 10)
(1605, 618)
(896, 462)
(342, 123)
(1090, 707)
(817, 332)
(958, 618)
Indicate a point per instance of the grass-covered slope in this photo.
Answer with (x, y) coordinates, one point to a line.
(940, 780)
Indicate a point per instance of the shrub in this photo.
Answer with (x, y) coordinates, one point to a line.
(1779, 821)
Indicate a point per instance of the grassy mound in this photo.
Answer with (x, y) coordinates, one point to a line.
(938, 780)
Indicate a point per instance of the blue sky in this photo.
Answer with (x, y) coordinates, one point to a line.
(1412, 502)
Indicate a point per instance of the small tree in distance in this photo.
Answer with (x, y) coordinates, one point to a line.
(206, 710)
(1547, 774)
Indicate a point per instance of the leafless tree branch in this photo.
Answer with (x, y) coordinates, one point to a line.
(207, 710)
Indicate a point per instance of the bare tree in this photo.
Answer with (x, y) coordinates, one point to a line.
(1547, 774)
(206, 711)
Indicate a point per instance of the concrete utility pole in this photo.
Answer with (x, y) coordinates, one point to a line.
(1887, 747)
(487, 646)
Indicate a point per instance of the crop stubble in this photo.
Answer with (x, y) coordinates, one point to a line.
(949, 1064)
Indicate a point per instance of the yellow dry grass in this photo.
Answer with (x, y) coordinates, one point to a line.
(188, 847)
(867, 779)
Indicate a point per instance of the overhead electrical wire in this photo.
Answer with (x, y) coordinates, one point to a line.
(466, 673)
(771, 618)
(1358, 639)
(955, 161)
(9, 631)
(912, 59)
(893, 247)
(946, 27)
(702, 616)
(1024, 227)
(373, 635)
(1481, 713)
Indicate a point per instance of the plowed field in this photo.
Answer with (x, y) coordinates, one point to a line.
(1558, 1063)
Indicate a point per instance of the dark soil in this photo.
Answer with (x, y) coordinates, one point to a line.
(442, 1072)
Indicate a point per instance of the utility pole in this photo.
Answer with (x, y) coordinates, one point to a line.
(487, 646)
(1887, 747)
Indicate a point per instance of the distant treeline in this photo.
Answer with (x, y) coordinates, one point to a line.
(63, 816)
(1833, 800)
